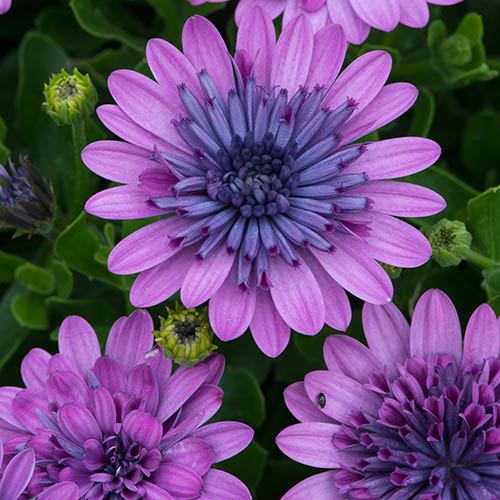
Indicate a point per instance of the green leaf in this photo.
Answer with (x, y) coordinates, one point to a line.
(436, 33)
(8, 265)
(36, 278)
(471, 26)
(484, 214)
(64, 279)
(248, 465)
(77, 246)
(92, 19)
(243, 399)
(49, 146)
(30, 311)
(12, 333)
(492, 279)
(423, 116)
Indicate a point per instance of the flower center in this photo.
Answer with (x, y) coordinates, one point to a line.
(186, 330)
(121, 460)
(437, 432)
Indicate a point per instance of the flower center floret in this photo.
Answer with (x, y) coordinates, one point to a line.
(266, 173)
(436, 435)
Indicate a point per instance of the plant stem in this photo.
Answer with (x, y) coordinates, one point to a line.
(79, 142)
(481, 261)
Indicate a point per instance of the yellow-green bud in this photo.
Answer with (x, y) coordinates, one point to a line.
(69, 98)
(450, 242)
(392, 271)
(455, 50)
(186, 335)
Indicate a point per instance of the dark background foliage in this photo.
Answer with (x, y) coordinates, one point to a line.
(42, 281)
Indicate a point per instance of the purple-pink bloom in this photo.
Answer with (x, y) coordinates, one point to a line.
(121, 425)
(355, 16)
(413, 415)
(5, 6)
(267, 206)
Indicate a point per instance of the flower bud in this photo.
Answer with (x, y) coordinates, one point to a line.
(392, 271)
(456, 50)
(69, 98)
(26, 201)
(186, 335)
(450, 242)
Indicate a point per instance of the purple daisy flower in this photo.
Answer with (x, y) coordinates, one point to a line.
(414, 415)
(120, 425)
(355, 16)
(5, 6)
(267, 208)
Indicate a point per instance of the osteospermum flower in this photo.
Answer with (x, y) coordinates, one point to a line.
(414, 415)
(120, 425)
(355, 16)
(267, 207)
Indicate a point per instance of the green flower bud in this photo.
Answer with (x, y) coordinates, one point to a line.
(450, 242)
(186, 335)
(392, 271)
(456, 50)
(69, 98)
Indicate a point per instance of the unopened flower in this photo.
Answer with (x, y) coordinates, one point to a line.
(413, 415)
(69, 98)
(26, 201)
(5, 6)
(355, 16)
(186, 335)
(121, 425)
(269, 208)
(450, 242)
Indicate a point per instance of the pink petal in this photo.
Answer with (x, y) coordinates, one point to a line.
(311, 444)
(325, 65)
(352, 268)
(341, 12)
(226, 438)
(297, 296)
(231, 309)
(300, 406)
(435, 327)
(272, 8)
(205, 401)
(151, 287)
(362, 80)
(171, 68)
(154, 492)
(124, 127)
(60, 491)
(320, 487)
(401, 198)
(179, 388)
(77, 423)
(205, 48)
(293, 55)
(317, 15)
(205, 277)
(144, 101)
(193, 452)
(220, 484)
(414, 13)
(122, 203)
(381, 14)
(66, 387)
(147, 247)
(342, 395)
(130, 339)
(390, 103)
(388, 335)
(143, 428)
(395, 242)
(78, 342)
(269, 331)
(349, 357)
(338, 312)
(35, 369)
(17, 475)
(180, 481)
(394, 158)
(482, 336)
(117, 161)
(22, 410)
(257, 39)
